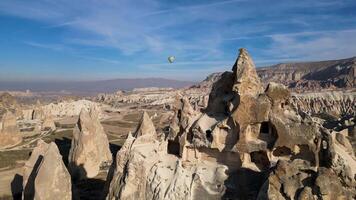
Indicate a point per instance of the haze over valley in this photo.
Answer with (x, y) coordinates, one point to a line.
(150, 99)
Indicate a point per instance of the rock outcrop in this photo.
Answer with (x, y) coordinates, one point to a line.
(45, 175)
(90, 150)
(62, 109)
(48, 124)
(146, 126)
(151, 173)
(336, 104)
(312, 76)
(248, 143)
(9, 132)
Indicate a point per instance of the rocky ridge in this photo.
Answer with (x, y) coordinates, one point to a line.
(249, 143)
(304, 76)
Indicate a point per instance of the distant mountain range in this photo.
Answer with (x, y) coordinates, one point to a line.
(89, 87)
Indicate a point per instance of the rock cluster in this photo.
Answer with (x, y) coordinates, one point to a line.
(335, 104)
(9, 133)
(313, 76)
(45, 175)
(90, 146)
(249, 143)
(62, 109)
(151, 173)
(160, 97)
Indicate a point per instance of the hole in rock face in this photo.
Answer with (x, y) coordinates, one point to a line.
(173, 147)
(260, 159)
(282, 151)
(305, 154)
(179, 114)
(264, 128)
(209, 136)
(268, 133)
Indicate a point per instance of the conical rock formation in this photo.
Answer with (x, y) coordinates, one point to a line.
(144, 170)
(90, 147)
(145, 127)
(45, 175)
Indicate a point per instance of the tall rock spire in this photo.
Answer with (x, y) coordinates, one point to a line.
(90, 147)
(145, 126)
(246, 78)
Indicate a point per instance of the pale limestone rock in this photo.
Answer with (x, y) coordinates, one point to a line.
(45, 175)
(9, 124)
(246, 80)
(48, 124)
(90, 147)
(145, 126)
(145, 171)
(69, 108)
(277, 92)
(27, 114)
(9, 133)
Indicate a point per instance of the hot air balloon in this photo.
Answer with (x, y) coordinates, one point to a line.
(171, 59)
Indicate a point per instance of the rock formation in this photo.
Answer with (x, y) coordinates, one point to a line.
(90, 146)
(68, 108)
(151, 173)
(48, 124)
(336, 104)
(247, 144)
(9, 133)
(145, 126)
(45, 175)
(313, 76)
(7, 103)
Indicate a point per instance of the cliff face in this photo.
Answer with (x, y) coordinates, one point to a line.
(335, 104)
(312, 75)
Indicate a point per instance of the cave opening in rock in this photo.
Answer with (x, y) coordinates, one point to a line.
(268, 133)
(173, 147)
(261, 160)
(282, 151)
(264, 128)
(209, 136)
(179, 114)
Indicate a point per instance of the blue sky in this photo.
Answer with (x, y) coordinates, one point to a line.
(104, 39)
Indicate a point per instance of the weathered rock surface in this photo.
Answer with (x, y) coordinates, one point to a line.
(145, 126)
(7, 103)
(312, 75)
(48, 124)
(150, 173)
(335, 104)
(45, 175)
(9, 133)
(248, 143)
(62, 109)
(90, 147)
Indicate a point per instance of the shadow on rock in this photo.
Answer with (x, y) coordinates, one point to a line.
(16, 187)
